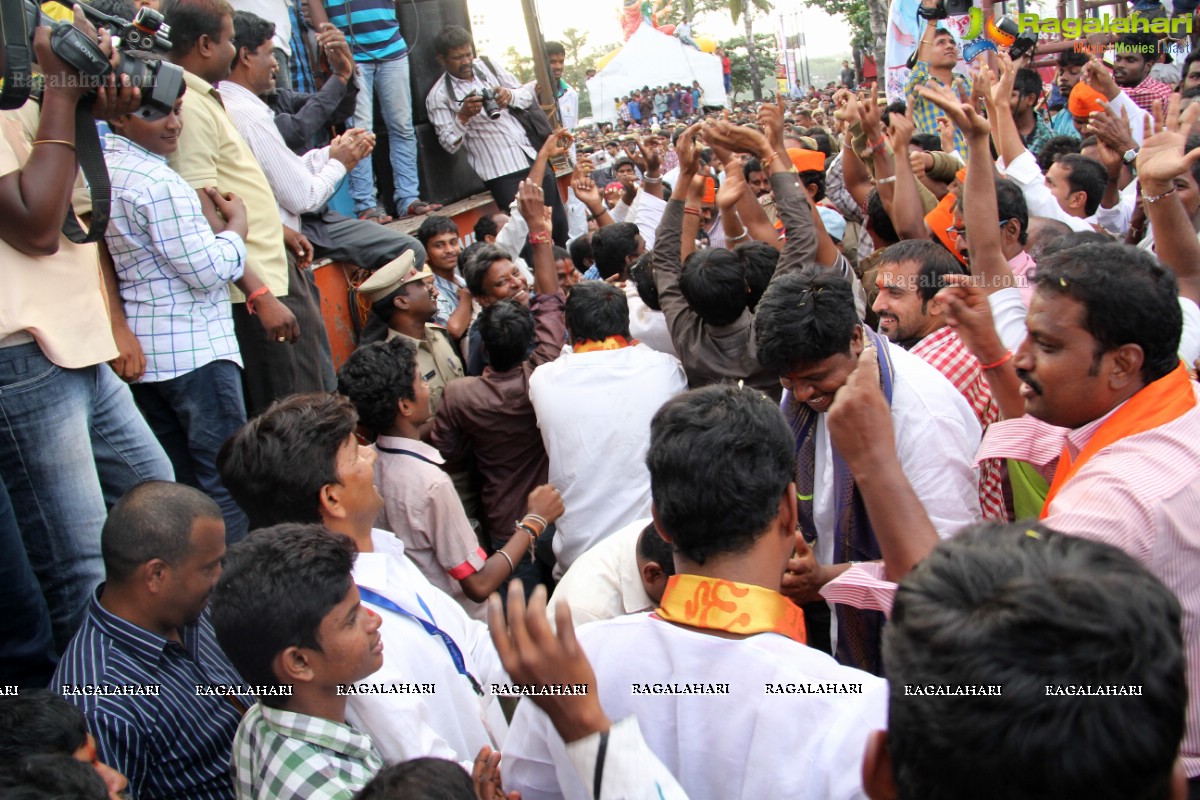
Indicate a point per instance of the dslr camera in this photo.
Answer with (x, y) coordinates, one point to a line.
(139, 44)
(490, 105)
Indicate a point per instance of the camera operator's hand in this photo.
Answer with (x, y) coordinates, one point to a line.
(471, 105)
(333, 43)
(351, 147)
(503, 96)
(116, 96)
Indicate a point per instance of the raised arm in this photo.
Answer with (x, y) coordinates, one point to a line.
(1162, 165)
(531, 200)
(906, 200)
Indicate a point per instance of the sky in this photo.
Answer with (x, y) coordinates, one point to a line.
(499, 24)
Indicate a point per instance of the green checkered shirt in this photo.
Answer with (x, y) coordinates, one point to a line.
(281, 755)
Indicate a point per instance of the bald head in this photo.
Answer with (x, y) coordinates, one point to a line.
(152, 521)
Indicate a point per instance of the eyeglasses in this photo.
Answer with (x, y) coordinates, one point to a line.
(955, 233)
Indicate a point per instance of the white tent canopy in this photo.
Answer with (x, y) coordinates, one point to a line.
(652, 58)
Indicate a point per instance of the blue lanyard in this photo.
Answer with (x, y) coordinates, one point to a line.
(456, 655)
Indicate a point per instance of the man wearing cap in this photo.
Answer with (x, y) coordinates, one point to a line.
(406, 300)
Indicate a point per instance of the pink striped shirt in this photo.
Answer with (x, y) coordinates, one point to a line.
(1141, 494)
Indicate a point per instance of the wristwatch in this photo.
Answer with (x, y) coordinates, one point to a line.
(1130, 156)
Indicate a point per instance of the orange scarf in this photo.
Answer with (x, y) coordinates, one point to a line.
(728, 606)
(611, 343)
(1160, 402)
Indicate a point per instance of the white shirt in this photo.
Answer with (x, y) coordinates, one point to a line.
(594, 412)
(275, 11)
(936, 434)
(1025, 172)
(605, 582)
(647, 325)
(451, 722)
(630, 770)
(300, 183)
(744, 744)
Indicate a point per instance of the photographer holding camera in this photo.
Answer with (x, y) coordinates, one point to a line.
(474, 105)
(934, 60)
(70, 434)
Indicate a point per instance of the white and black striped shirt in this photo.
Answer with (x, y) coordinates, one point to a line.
(494, 147)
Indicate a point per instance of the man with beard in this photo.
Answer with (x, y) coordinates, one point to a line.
(160, 696)
(910, 275)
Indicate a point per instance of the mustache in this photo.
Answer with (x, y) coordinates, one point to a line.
(1024, 376)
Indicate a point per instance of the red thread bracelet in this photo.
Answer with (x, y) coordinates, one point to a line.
(257, 293)
(693, 211)
(541, 237)
(1007, 357)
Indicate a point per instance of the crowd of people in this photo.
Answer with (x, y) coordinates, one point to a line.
(830, 447)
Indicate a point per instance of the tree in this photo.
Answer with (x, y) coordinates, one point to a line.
(867, 20)
(743, 9)
(573, 40)
(519, 64)
(740, 75)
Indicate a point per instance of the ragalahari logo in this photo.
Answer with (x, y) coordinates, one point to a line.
(993, 37)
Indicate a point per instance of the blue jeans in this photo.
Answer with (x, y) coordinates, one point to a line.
(71, 440)
(390, 80)
(27, 655)
(192, 416)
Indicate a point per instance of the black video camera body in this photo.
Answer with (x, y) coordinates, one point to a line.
(490, 106)
(945, 8)
(137, 42)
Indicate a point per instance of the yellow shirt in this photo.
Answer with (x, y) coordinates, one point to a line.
(58, 299)
(212, 153)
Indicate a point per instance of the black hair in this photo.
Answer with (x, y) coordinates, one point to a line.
(804, 318)
(824, 143)
(276, 464)
(507, 330)
(1085, 175)
(814, 177)
(653, 547)
(1027, 82)
(612, 246)
(1023, 608)
(1010, 202)
(39, 721)
(476, 270)
(881, 223)
(894, 107)
(720, 460)
(277, 586)
(713, 281)
(1068, 58)
(1072, 239)
(152, 520)
(555, 49)
(642, 275)
(51, 776)
(560, 253)
(1054, 148)
(436, 225)
(1048, 231)
(420, 779)
(1128, 297)
(1138, 43)
(249, 31)
(580, 249)
(596, 310)
(759, 261)
(385, 306)
(485, 226)
(450, 38)
(191, 19)
(929, 142)
(376, 377)
(935, 264)
(752, 165)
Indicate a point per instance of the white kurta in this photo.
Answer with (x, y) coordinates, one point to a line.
(451, 722)
(594, 412)
(744, 744)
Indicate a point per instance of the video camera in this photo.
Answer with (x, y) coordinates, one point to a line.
(945, 8)
(137, 44)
